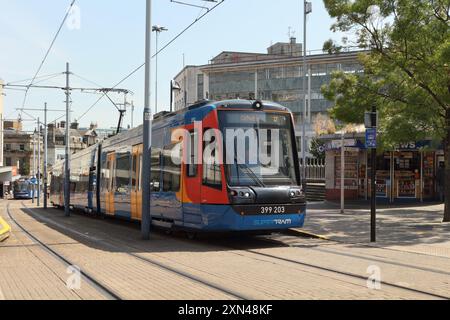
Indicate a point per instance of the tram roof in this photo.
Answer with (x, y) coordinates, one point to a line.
(223, 104)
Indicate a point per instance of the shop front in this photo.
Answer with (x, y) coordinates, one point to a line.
(408, 174)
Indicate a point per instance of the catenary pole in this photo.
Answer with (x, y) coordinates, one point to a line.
(45, 155)
(67, 153)
(306, 11)
(34, 166)
(38, 178)
(156, 73)
(147, 139)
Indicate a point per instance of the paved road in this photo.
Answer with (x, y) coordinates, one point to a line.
(410, 228)
(172, 267)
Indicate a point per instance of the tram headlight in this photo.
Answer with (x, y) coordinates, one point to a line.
(242, 195)
(258, 105)
(233, 193)
(296, 193)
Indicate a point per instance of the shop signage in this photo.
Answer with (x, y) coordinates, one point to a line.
(371, 138)
(337, 144)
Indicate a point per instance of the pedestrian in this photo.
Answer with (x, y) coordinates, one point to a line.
(440, 179)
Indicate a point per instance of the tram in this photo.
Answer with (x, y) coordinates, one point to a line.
(207, 195)
(24, 189)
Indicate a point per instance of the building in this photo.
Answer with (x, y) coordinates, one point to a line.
(18, 150)
(13, 125)
(1, 124)
(410, 173)
(193, 87)
(276, 75)
(80, 139)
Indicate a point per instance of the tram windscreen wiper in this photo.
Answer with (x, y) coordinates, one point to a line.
(251, 174)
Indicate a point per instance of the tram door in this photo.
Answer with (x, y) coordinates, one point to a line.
(136, 190)
(109, 197)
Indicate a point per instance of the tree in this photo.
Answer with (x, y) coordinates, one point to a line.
(331, 47)
(24, 169)
(406, 70)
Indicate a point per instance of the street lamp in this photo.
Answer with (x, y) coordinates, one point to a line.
(307, 9)
(158, 30)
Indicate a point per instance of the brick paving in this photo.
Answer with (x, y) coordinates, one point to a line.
(171, 267)
(416, 229)
(28, 272)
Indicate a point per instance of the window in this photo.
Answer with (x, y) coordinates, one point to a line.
(8, 147)
(212, 174)
(140, 172)
(191, 167)
(8, 162)
(22, 147)
(134, 172)
(156, 169)
(122, 173)
(200, 86)
(172, 168)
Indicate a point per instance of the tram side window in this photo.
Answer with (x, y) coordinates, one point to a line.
(104, 175)
(212, 174)
(156, 169)
(172, 168)
(123, 166)
(140, 172)
(191, 167)
(134, 171)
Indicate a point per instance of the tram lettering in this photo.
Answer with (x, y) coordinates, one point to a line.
(274, 210)
(283, 221)
(202, 311)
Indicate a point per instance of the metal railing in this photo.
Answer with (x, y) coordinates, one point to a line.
(315, 170)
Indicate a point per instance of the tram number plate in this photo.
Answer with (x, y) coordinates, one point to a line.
(273, 210)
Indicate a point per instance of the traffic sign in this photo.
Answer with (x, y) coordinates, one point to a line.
(371, 138)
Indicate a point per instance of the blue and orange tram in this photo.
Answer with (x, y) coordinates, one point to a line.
(205, 195)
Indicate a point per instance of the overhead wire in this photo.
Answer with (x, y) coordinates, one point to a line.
(48, 51)
(26, 80)
(158, 52)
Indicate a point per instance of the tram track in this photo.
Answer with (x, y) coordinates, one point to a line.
(330, 270)
(368, 257)
(102, 289)
(153, 262)
(242, 248)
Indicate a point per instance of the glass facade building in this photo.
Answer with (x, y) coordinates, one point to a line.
(276, 76)
(279, 80)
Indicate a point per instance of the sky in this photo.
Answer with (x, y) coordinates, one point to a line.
(107, 42)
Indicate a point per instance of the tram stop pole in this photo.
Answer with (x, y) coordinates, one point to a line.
(371, 123)
(147, 139)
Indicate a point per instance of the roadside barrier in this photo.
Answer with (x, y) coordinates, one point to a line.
(5, 230)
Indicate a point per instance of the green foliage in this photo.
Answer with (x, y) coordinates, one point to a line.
(406, 66)
(331, 47)
(24, 168)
